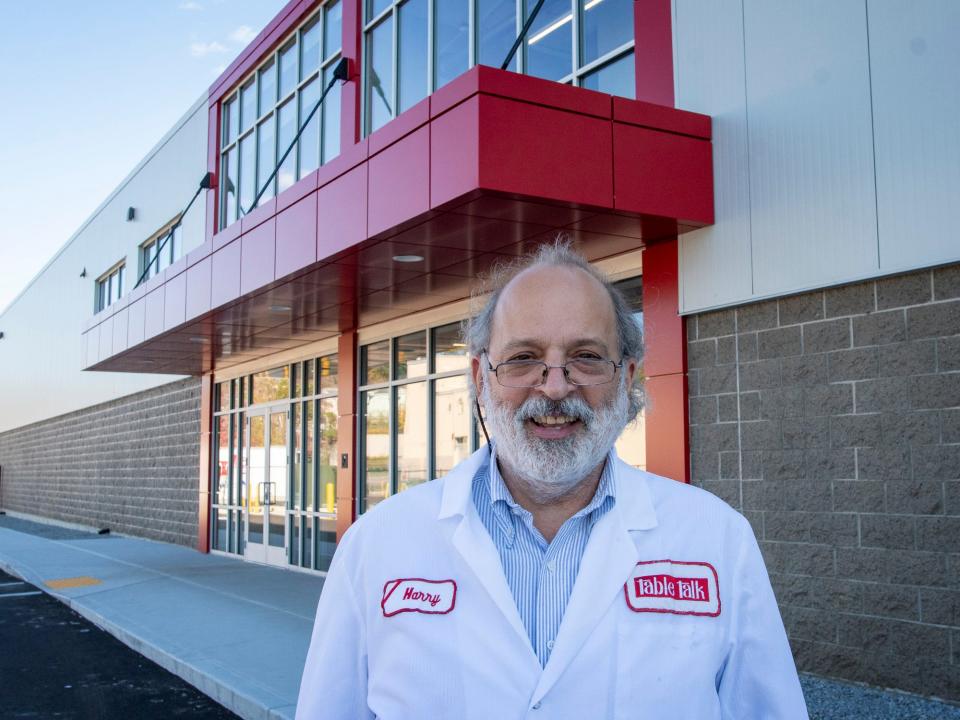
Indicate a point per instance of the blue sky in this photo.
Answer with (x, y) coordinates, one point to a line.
(88, 88)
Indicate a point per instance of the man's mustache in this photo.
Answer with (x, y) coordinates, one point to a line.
(574, 407)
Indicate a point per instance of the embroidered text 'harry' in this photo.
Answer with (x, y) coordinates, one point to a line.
(674, 586)
(431, 597)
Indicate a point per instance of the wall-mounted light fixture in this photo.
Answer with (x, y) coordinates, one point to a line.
(131, 213)
(83, 273)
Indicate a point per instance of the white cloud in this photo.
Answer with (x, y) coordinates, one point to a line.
(200, 49)
(243, 35)
(190, 5)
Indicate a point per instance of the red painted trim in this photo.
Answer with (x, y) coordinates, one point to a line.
(396, 583)
(653, 54)
(665, 364)
(352, 41)
(716, 580)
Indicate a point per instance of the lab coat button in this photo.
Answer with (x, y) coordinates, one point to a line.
(549, 644)
(536, 706)
(552, 565)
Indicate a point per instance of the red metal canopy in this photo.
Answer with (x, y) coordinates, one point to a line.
(478, 172)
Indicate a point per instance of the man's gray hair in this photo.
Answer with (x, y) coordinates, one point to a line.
(560, 253)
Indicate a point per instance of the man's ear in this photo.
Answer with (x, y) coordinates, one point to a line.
(476, 374)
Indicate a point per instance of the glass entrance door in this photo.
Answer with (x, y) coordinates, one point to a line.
(268, 469)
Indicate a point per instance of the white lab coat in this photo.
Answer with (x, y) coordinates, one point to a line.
(476, 661)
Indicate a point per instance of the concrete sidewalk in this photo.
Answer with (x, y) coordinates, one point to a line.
(239, 632)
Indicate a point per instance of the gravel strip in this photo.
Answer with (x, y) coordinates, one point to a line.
(838, 700)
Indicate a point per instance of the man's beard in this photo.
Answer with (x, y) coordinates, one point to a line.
(551, 469)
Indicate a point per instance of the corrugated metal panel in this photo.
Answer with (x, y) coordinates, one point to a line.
(708, 47)
(915, 59)
(811, 149)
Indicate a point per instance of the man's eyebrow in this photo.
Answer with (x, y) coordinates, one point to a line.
(578, 342)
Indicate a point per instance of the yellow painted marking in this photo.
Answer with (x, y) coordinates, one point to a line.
(74, 582)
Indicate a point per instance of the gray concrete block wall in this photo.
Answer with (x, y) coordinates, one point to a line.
(131, 464)
(832, 421)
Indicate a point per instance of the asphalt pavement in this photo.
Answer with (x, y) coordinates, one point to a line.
(236, 630)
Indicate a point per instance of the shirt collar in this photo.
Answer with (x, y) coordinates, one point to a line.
(504, 505)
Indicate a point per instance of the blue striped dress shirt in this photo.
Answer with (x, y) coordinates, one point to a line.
(541, 575)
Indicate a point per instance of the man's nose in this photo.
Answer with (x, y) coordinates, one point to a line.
(556, 385)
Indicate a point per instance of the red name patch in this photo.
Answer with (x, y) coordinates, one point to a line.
(674, 586)
(430, 597)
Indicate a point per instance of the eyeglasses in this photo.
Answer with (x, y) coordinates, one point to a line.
(533, 373)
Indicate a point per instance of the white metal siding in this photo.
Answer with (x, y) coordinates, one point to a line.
(41, 353)
(836, 157)
(915, 63)
(710, 79)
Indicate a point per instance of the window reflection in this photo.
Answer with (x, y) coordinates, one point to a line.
(376, 445)
(287, 131)
(496, 31)
(449, 353)
(452, 24)
(288, 69)
(265, 150)
(379, 98)
(310, 138)
(616, 78)
(411, 358)
(549, 41)
(327, 500)
(452, 423)
(410, 422)
(605, 25)
(375, 363)
(413, 53)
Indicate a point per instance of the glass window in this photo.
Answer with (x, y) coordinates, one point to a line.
(452, 423)
(549, 41)
(326, 538)
(310, 138)
(615, 78)
(266, 142)
(248, 172)
(109, 288)
(605, 25)
(331, 117)
(452, 43)
(376, 446)
(375, 363)
(308, 455)
(223, 460)
(287, 130)
(308, 388)
(375, 7)
(229, 176)
(289, 76)
(288, 69)
(327, 499)
(271, 385)
(268, 87)
(298, 451)
(332, 29)
(413, 53)
(248, 105)
(411, 356)
(449, 352)
(496, 31)
(327, 373)
(309, 48)
(379, 98)
(632, 445)
(410, 427)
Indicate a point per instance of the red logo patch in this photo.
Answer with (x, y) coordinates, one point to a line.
(430, 597)
(674, 586)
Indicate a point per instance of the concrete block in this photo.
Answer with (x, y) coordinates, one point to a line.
(716, 380)
(798, 558)
(855, 364)
(751, 465)
(805, 433)
(702, 353)
(834, 399)
(827, 335)
(946, 282)
(883, 395)
(859, 496)
(951, 497)
(726, 490)
(703, 409)
(713, 438)
(704, 466)
(758, 316)
(830, 464)
(940, 607)
(950, 424)
(749, 406)
(801, 308)
(714, 324)
(779, 403)
(891, 462)
(902, 567)
(888, 531)
(893, 601)
(948, 354)
(936, 462)
(850, 300)
(935, 391)
(880, 328)
(783, 465)
(726, 350)
(903, 290)
(917, 497)
(804, 371)
(727, 408)
(780, 342)
(730, 466)
(909, 358)
(760, 435)
(941, 534)
(855, 431)
(747, 347)
(934, 320)
(920, 427)
(756, 376)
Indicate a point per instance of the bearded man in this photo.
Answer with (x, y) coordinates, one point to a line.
(543, 577)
